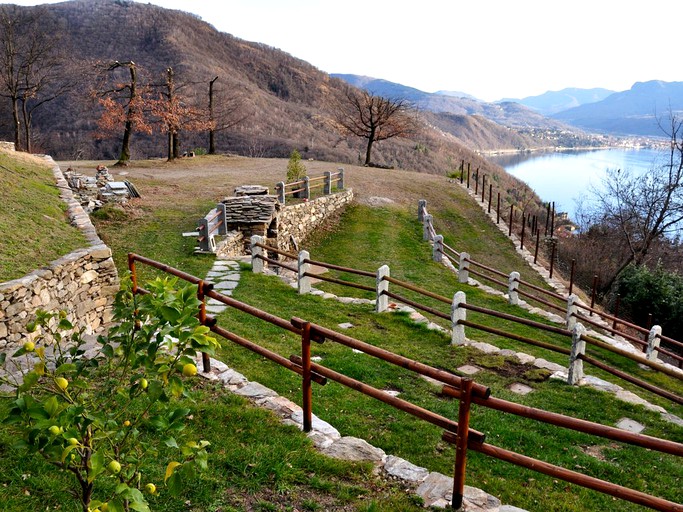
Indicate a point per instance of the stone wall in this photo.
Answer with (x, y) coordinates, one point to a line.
(83, 283)
(296, 222)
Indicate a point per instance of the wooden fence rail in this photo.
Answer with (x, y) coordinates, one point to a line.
(463, 389)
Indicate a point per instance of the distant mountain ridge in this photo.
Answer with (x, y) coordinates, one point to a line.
(552, 102)
(638, 111)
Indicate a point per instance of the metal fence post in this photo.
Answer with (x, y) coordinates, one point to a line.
(257, 264)
(280, 187)
(327, 187)
(461, 445)
(464, 268)
(513, 285)
(653, 340)
(426, 223)
(437, 249)
(458, 313)
(382, 302)
(421, 207)
(304, 281)
(575, 361)
(571, 311)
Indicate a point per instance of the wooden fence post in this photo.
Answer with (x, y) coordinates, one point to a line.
(461, 445)
(575, 362)
(464, 268)
(340, 180)
(204, 236)
(513, 285)
(571, 311)
(304, 281)
(458, 313)
(382, 302)
(437, 249)
(306, 377)
(421, 207)
(653, 340)
(426, 224)
(257, 264)
(223, 228)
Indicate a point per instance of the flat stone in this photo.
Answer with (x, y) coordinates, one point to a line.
(547, 365)
(226, 285)
(487, 348)
(317, 425)
(520, 389)
(215, 309)
(435, 487)
(469, 369)
(401, 468)
(525, 358)
(346, 325)
(672, 418)
(630, 425)
(282, 406)
(392, 392)
(255, 390)
(510, 508)
(598, 383)
(479, 500)
(354, 448)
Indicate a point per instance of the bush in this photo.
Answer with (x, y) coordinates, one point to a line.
(657, 291)
(295, 169)
(103, 418)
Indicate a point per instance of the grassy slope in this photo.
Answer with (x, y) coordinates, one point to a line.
(367, 238)
(33, 224)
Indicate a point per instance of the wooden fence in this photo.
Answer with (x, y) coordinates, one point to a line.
(301, 189)
(515, 286)
(465, 390)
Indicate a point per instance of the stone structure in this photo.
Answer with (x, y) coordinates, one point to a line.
(83, 283)
(256, 213)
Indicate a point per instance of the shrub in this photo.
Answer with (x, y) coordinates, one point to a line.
(103, 417)
(295, 169)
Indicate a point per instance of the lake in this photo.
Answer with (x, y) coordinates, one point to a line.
(566, 176)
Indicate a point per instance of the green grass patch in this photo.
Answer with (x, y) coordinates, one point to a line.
(33, 222)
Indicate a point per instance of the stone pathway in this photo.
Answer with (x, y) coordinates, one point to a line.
(225, 274)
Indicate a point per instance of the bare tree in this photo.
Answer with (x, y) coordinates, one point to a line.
(33, 70)
(643, 210)
(226, 112)
(374, 118)
(124, 103)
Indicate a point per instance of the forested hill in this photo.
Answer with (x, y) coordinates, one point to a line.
(277, 101)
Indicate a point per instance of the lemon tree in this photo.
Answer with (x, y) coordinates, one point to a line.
(103, 418)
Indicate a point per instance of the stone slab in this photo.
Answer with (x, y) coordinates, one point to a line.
(630, 425)
(469, 369)
(520, 389)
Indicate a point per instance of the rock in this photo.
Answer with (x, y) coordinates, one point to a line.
(469, 369)
(255, 390)
(353, 448)
(520, 389)
(435, 487)
(401, 468)
(630, 425)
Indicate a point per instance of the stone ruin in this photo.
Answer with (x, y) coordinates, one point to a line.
(93, 192)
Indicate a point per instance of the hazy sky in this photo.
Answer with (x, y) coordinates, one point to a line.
(488, 48)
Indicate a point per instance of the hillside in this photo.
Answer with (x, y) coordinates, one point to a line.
(637, 111)
(284, 102)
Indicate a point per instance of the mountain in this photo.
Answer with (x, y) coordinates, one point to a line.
(552, 102)
(456, 94)
(480, 125)
(638, 111)
(284, 102)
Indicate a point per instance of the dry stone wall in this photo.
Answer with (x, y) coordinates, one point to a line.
(83, 283)
(296, 222)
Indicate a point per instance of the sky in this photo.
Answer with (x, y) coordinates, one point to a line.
(491, 49)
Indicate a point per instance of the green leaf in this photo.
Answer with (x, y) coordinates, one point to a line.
(140, 506)
(38, 413)
(171, 315)
(51, 406)
(66, 367)
(66, 452)
(3, 356)
(170, 442)
(65, 325)
(96, 466)
(174, 484)
(116, 505)
(30, 380)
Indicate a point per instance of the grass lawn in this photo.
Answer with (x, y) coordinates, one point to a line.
(366, 238)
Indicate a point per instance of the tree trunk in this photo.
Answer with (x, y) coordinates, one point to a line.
(27, 126)
(368, 150)
(176, 144)
(124, 157)
(17, 124)
(212, 133)
(169, 149)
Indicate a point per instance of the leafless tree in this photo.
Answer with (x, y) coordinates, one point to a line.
(642, 210)
(225, 111)
(33, 70)
(374, 118)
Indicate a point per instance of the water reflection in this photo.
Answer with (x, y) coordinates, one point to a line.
(566, 177)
